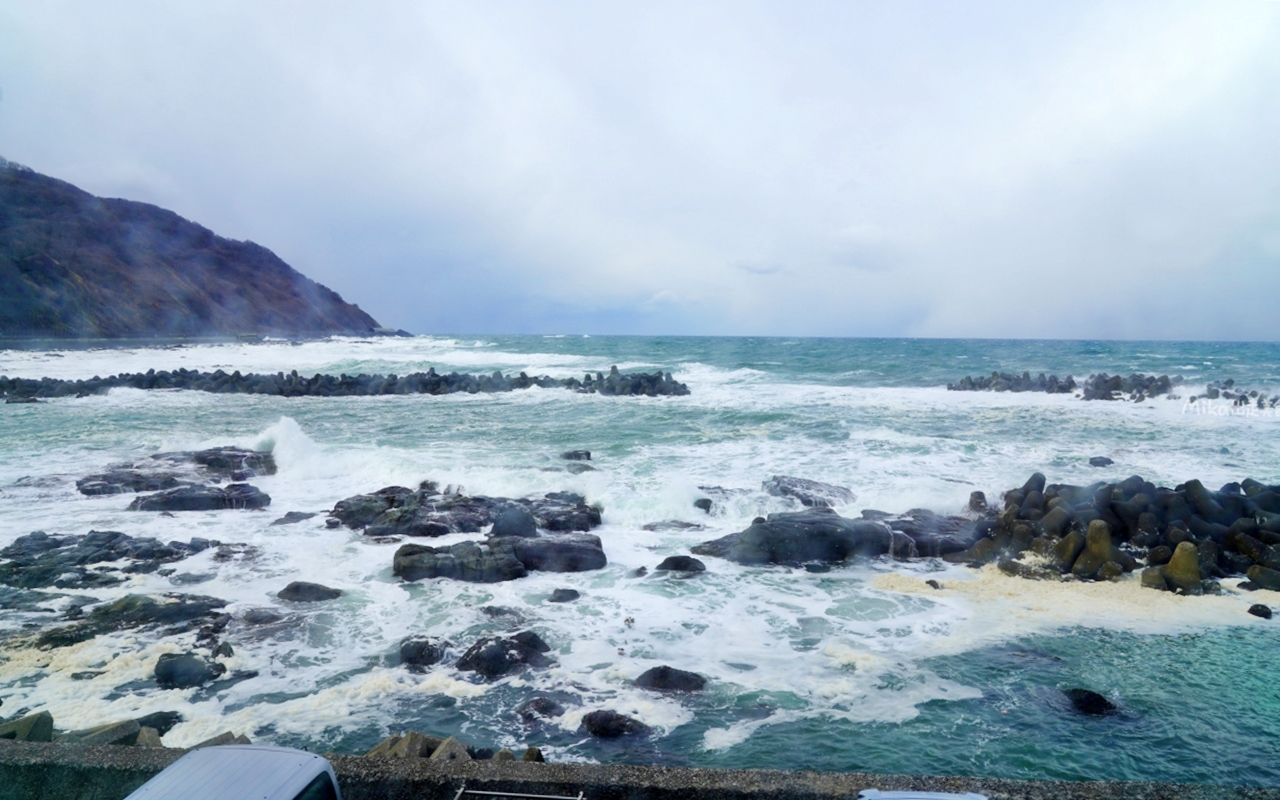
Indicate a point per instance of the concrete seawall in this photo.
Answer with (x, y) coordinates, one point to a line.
(30, 771)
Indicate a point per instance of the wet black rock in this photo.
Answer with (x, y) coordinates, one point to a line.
(611, 725)
(397, 511)
(539, 708)
(494, 657)
(417, 652)
(667, 678)
(203, 498)
(261, 616)
(564, 596)
(171, 470)
(576, 455)
(293, 517)
(515, 521)
(185, 670)
(304, 592)
(810, 493)
(1100, 461)
(1089, 702)
(818, 534)
(933, 534)
(67, 562)
(1259, 610)
(500, 559)
(160, 721)
(178, 613)
(681, 564)
(703, 503)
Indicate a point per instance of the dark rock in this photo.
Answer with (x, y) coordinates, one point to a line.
(417, 652)
(1100, 461)
(681, 564)
(294, 516)
(397, 511)
(977, 502)
(810, 493)
(494, 657)
(261, 616)
(539, 708)
(531, 639)
(933, 534)
(185, 670)
(673, 525)
(666, 678)
(160, 721)
(303, 592)
(1259, 610)
(120, 481)
(818, 534)
(39, 560)
(515, 521)
(933, 584)
(703, 503)
(180, 612)
(1089, 702)
(203, 498)
(1159, 555)
(611, 725)
(576, 455)
(567, 552)
(564, 596)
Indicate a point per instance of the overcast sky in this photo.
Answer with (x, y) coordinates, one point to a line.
(1074, 170)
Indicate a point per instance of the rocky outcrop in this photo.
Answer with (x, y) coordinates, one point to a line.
(203, 498)
(657, 384)
(495, 657)
(815, 535)
(500, 559)
(175, 613)
(186, 670)
(419, 652)
(607, 724)
(76, 265)
(304, 592)
(73, 562)
(427, 511)
(172, 470)
(670, 679)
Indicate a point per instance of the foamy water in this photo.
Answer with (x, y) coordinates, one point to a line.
(868, 650)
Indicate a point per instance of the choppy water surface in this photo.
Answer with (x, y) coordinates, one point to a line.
(863, 667)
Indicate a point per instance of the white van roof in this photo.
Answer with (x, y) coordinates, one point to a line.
(233, 772)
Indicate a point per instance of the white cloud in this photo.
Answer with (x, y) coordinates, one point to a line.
(910, 168)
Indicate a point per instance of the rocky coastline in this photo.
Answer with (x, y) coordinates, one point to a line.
(1186, 539)
(1134, 388)
(656, 384)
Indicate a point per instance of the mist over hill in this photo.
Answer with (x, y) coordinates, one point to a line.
(76, 265)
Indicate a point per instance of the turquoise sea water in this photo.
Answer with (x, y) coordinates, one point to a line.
(861, 668)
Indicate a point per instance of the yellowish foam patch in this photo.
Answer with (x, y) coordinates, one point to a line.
(1001, 605)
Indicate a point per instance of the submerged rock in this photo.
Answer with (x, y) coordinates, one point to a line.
(810, 493)
(818, 534)
(680, 564)
(611, 725)
(1089, 702)
(67, 562)
(417, 652)
(304, 592)
(494, 657)
(185, 670)
(180, 613)
(1259, 610)
(203, 498)
(665, 678)
(539, 708)
(564, 596)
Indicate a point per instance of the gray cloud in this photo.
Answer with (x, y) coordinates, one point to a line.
(993, 169)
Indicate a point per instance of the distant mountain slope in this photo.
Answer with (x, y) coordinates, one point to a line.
(72, 264)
